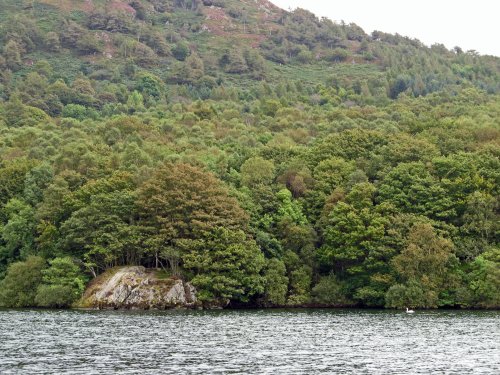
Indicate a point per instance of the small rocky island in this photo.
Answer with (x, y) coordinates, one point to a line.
(138, 288)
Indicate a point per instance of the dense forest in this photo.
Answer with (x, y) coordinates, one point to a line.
(269, 157)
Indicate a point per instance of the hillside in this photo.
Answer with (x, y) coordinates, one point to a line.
(207, 44)
(269, 158)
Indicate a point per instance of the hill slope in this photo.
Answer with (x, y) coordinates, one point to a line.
(224, 42)
(269, 158)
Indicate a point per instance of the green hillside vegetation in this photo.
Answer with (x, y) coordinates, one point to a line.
(271, 158)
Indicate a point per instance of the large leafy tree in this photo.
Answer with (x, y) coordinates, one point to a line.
(183, 202)
(412, 188)
(424, 267)
(101, 229)
(484, 280)
(257, 170)
(275, 282)
(356, 244)
(18, 234)
(225, 264)
(12, 176)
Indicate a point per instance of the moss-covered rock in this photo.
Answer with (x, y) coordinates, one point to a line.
(137, 288)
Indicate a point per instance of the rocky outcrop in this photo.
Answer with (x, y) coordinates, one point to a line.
(137, 288)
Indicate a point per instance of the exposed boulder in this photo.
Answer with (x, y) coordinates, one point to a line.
(138, 288)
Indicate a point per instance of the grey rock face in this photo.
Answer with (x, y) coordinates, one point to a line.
(138, 288)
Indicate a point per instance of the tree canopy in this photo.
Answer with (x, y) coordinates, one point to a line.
(269, 157)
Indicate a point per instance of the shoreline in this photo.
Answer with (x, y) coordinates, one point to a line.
(248, 308)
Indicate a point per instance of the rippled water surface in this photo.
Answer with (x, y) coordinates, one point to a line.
(249, 342)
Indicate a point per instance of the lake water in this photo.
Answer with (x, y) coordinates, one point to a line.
(249, 342)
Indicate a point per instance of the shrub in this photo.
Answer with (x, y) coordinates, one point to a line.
(19, 287)
(79, 112)
(329, 291)
(54, 296)
(180, 51)
(62, 284)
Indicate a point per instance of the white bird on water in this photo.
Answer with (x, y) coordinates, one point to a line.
(408, 311)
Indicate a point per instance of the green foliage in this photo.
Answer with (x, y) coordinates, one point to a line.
(19, 287)
(412, 188)
(225, 264)
(12, 55)
(425, 265)
(337, 55)
(257, 171)
(484, 280)
(330, 292)
(135, 102)
(17, 233)
(79, 112)
(150, 85)
(276, 282)
(12, 175)
(54, 296)
(180, 51)
(365, 169)
(289, 210)
(182, 203)
(410, 295)
(353, 233)
(101, 229)
(89, 44)
(16, 114)
(62, 284)
(299, 278)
